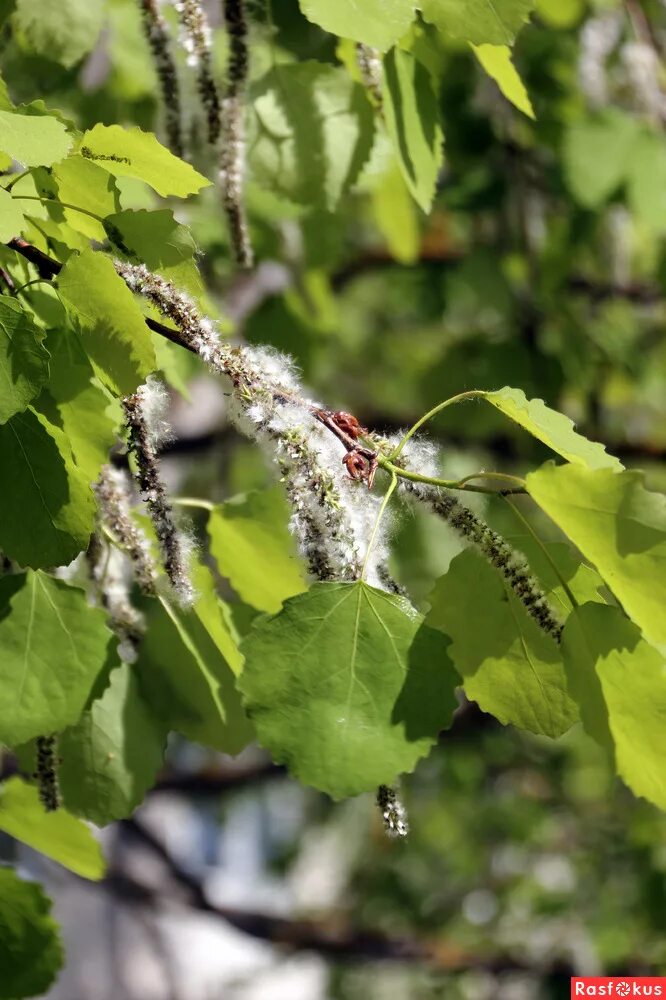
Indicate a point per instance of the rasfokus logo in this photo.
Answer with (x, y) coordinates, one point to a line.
(609, 986)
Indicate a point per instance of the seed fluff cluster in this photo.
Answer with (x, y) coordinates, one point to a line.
(196, 40)
(157, 34)
(332, 516)
(393, 812)
(145, 417)
(46, 772)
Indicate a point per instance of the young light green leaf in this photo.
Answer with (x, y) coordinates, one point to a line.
(510, 667)
(497, 62)
(63, 32)
(311, 133)
(24, 361)
(47, 509)
(253, 548)
(478, 21)
(622, 684)
(597, 152)
(81, 407)
(111, 756)
(186, 677)
(379, 23)
(134, 153)
(53, 647)
(34, 140)
(396, 216)
(551, 427)
(83, 183)
(101, 307)
(31, 952)
(58, 835)
(619, 526)
(411, 111)
(347, 687)
(12, 220)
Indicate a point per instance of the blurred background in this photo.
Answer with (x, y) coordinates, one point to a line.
(541, 266)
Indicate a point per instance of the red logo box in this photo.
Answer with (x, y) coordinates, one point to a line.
(618, 986)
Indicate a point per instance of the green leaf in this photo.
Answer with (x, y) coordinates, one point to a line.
(53, 647)
(82, 183)
(158, 241)
(497, 62)
(187, 667)
(510, 667)
(622, 681)
(110, 758)
(411, 111)
(395, 216)
(33, 140)
(551, 427)
(64, 32)
(379, 23)
(254, 549)
(597, 152)
(619, 526)
(112, 328)
(82, 408)
(12, 220)
(31, 952)
(58, 835)
(134, 153)
(478, 21)
(47, 509)
(24, 361)
(647, 181)
(347, 687)
(311, 132)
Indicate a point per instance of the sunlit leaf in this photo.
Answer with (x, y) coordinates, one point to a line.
(53, 645)
(347, 687)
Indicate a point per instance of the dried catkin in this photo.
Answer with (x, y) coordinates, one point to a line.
(511, 564)
(46, 772)
(145, 423)
(232, 156)
(196, 39)
(157, 35)
(369, 62)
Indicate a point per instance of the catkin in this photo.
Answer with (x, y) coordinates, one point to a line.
(232, 157)
(157, 35)
(46, 773)
(196, 37)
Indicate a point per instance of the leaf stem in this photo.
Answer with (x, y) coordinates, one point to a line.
(565, 586)
(193, 502)
(472, 394)
(380, 514)
(454, 484)
(56, 201)
(15, 178)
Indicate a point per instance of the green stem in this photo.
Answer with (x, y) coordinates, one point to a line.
(34, 281)
(472, 394)
(565, 586)
(452, 484)
(193, 502)
(15, 178)
(380, 514)
(63, 204)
